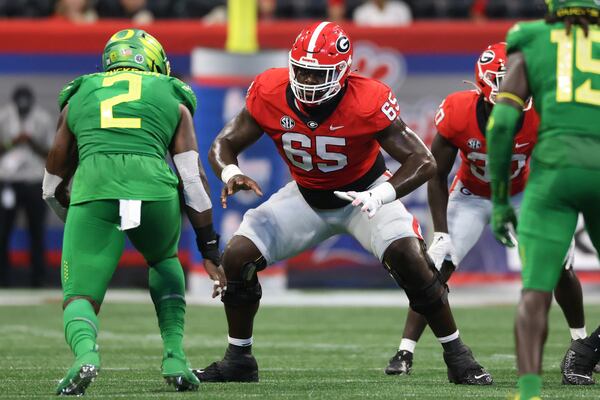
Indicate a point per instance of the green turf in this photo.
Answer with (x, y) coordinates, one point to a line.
(303, 353)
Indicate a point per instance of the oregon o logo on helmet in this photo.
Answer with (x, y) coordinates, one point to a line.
(487, 57)
(342, 44)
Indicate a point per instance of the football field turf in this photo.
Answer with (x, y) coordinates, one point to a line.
(303, 353)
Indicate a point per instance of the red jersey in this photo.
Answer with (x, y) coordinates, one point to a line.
(333, 147)
(462, 120)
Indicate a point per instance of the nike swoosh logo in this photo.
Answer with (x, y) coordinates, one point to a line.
(519, 145)
(480, 376)
(335, 128)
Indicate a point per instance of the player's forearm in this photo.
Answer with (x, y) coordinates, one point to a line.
(437, 195)
(221, 155)
(500, 134)
(197, 219)
(417, 169)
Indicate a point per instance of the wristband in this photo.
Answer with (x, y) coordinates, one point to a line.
(385, 192)
(229, 172)
(207, 241)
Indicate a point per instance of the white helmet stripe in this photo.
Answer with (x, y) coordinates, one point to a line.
(314, 37)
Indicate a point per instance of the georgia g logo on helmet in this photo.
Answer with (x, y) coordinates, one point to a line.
(342, 44)
(487, 57)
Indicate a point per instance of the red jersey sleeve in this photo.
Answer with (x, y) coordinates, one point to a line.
(252, 96)
(386, 110)
(443, 119)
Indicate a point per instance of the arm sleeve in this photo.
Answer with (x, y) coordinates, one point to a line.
(185, 94)
(68, 91)
(500, 133)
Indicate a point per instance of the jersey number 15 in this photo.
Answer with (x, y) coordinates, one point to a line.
(583, 62)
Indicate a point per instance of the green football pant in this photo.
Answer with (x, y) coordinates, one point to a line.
(93, 244)
(553, 199)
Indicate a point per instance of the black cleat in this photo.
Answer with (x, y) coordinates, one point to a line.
(401, 363)
(578, 364)
(236, 366)
(464, 370)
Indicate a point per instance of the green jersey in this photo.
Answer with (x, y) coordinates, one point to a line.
(124, 122)
(564, 78)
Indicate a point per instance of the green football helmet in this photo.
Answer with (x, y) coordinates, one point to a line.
(555, 5)
(135, 48)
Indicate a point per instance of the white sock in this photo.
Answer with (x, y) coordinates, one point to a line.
(578, 333)
(449, 338)
(240, 342)
(407, 345)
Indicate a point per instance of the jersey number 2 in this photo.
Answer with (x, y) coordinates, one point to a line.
(106, 107)
(583, 62)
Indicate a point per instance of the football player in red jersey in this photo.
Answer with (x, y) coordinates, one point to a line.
(329, 125)
(460, 217)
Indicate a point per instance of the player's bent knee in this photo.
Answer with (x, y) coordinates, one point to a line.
(93, 302)
(242, 260)
(241, 293)
(428, 299)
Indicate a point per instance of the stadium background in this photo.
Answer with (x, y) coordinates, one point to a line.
(422, 62)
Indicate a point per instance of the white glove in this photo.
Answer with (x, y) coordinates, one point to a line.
(371, 200)
(441, 249)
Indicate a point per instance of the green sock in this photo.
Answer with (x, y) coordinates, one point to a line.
(81, 326)
(167, 289)
(530, 386)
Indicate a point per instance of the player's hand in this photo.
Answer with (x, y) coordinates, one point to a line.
(217, 274)
(371, 200)
(441, 248)
(237, 183)
(504, 223)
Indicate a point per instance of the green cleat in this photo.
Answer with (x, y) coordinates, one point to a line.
(177, 372)
(83, 372)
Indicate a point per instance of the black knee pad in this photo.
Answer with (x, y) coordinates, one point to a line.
(241, 293)
(429, 298)
(250, 269)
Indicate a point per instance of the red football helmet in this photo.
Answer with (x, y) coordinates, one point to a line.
(490, 70)
(324, 50)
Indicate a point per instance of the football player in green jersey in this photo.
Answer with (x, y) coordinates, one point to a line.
(114, 131)
(557, 62)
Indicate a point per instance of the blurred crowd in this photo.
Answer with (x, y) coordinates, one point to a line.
(366, 12)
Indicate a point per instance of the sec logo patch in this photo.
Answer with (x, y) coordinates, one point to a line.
(474, 144)
(287, 122)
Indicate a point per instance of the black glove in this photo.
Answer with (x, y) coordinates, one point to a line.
(208, 243)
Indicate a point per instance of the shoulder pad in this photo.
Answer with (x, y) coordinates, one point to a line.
(68, 91)
(185, 94)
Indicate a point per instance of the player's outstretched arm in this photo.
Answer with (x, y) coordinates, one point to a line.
(60, 166)
(441, 246)
(417, 163)
(238, 134)
(198, 206)
(500, 132)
